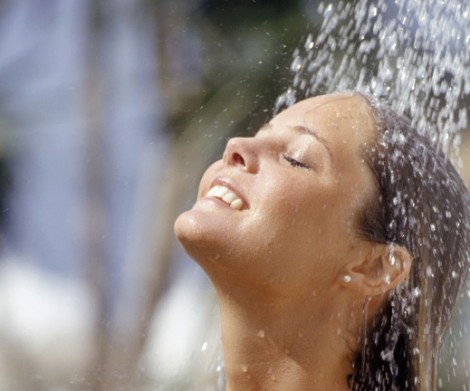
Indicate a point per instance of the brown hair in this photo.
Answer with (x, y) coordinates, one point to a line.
(423, 205)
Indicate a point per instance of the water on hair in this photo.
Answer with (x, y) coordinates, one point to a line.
(412, 55)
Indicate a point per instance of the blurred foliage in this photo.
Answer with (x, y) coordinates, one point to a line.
(246, 49)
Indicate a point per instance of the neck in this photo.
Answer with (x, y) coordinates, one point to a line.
(278, 344)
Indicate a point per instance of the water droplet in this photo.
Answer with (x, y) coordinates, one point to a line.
(347, 278)
(387, 279)
(244, 368)
(387, 354)
(433, 227)
(429, 271)
(261, 334)
(204, 347)
(454, 274)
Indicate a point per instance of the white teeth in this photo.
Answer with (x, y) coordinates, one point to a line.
(229, 198)
(217, 191)
(237, 204)
(226, 195)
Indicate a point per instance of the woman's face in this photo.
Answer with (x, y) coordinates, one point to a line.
(279, 210)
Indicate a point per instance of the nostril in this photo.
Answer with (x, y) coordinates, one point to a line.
(238, 159)
(240, 152)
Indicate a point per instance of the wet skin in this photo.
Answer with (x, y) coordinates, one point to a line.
(278, 246)
(302, 180)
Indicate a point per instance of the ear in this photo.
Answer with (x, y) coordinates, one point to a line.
(381, 270)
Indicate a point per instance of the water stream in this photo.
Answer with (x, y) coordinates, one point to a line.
(412, 55)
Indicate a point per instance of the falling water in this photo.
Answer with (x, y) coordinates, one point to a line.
(412, 55)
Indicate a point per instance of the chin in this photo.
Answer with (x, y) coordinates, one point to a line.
(200, 239)
(213, 245)
(186, 228)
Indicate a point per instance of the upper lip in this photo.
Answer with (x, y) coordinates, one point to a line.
(229, 184)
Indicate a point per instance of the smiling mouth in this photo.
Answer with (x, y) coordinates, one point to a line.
(227, 196)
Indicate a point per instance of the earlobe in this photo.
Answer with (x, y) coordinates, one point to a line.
(381, 270)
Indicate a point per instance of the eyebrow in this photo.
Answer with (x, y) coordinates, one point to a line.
(303, 129)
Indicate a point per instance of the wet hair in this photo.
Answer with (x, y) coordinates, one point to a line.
(421, 204)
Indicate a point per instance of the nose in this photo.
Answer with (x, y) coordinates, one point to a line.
(241, 152)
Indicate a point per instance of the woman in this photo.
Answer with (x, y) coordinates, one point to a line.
(336, 240)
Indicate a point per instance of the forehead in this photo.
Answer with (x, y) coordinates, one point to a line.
(344, 115)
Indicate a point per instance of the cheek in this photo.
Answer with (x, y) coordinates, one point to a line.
(297, 213)
(307, 206)
(311, 220)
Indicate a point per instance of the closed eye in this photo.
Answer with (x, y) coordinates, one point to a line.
(295, 163)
